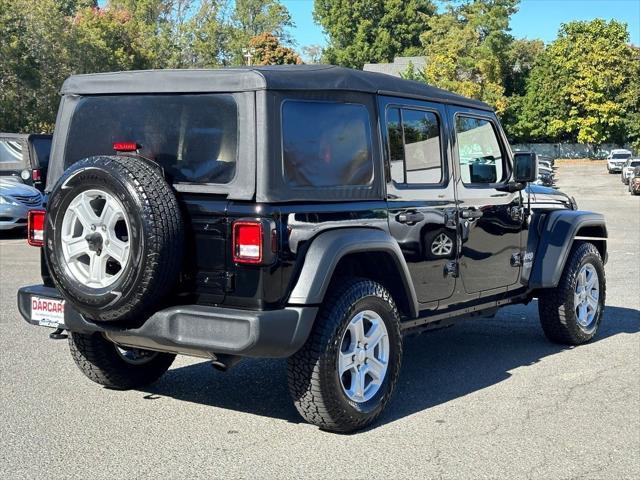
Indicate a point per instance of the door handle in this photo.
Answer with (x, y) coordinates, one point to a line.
(471, 214)
(410, 217)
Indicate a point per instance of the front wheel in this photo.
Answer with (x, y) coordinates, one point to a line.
(345, 374)
(571, 313)
(116, 367)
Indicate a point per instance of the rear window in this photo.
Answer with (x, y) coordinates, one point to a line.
(193, 137)
(10, 154)
(326, 144)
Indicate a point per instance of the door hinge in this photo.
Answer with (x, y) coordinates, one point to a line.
(516, 260)
(451, 269)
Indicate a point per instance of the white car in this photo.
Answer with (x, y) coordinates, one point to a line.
(627, 170)
(616, 160)
(16, 199)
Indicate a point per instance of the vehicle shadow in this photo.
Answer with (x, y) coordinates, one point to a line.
(438, 366)
(14, 234)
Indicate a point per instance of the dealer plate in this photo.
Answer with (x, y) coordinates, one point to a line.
(48, 312)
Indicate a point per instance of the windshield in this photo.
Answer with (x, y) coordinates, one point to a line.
(621, 156)
(193, 137)
(635, 163)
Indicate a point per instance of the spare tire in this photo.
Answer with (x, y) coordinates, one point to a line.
(114, 238)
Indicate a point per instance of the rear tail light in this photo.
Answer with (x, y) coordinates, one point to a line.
(125, 146)
(36, 175)
(247, 241)
(35, 227)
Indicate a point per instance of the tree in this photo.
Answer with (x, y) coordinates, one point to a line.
(162, 35)
(584, 88)
(34, 62)
(70, 7)
(105, 40)
(267, 50)
(251, 18)
(467, 49)
(211, 34)
(362, 31)
(313, 53)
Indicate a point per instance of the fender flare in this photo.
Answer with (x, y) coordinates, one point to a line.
(556, 239)
(326, 251)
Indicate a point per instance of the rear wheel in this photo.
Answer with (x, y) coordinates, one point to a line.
(571, 313)
(345, 374)
(116, 367)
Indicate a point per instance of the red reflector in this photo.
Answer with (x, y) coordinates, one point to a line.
(125, 146)
(247, 242)
(36, 175)
(35, 227)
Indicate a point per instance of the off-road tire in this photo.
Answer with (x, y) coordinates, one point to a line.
(312, 371)
(556, 305)
(156, 238)
(98, 359)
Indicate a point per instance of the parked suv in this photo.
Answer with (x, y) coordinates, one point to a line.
(616, 160)
(309, 212)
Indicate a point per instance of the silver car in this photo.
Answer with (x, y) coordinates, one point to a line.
(627, 170)
(16, 199)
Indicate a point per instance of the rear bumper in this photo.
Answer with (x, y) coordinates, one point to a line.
(196, 329)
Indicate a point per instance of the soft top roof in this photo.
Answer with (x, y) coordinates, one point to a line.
(283, 77)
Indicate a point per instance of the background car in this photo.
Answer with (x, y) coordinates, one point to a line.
(546, 175)
(16, 199)
(25, 157)
(546, 159)
(616, 159)
(634, 182)
(627, 170)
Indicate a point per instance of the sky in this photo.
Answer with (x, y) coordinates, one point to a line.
(535, 18)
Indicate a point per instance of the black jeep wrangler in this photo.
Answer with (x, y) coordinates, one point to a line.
(310, 212)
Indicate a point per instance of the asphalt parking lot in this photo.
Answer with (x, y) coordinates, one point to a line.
(486, 398)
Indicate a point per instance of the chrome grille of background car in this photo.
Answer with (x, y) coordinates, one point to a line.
(29, 200)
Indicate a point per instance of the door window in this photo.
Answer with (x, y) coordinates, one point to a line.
(414, 146)
(481, 159)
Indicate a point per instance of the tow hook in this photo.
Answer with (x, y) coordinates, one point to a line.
(58, 334)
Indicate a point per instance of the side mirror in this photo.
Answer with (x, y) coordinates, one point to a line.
(525, 167)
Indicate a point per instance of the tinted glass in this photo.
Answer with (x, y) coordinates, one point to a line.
(414, 146)
(42, 146)
(396, 146)
(10, 153)
(193, 137)
(621, 156)
(479, 151)
(635, 163)
(423, 161)
(326, 144)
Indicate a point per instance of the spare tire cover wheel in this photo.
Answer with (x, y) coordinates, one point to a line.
(113, 238)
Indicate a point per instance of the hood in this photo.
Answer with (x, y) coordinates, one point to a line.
(13, 187)
(549, 197)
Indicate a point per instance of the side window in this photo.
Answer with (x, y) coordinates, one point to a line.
(481, 160)
(396, 145)
(414, 146)
(326, 144)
